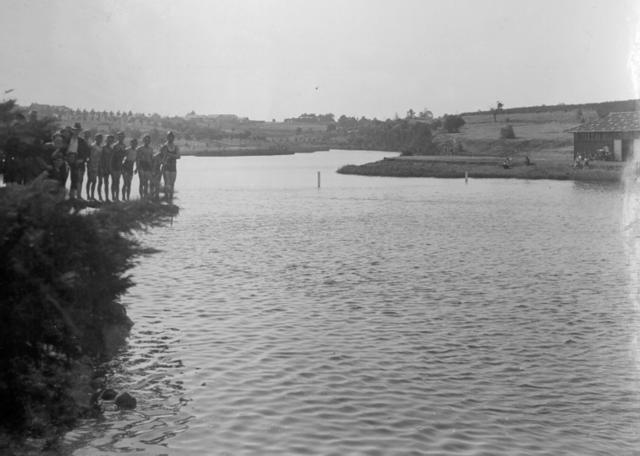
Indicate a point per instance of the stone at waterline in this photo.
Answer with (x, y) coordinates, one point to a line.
(98, 382)
(108, 394)
(100, 371)
(115, 335)
(125, 400)
(80, 390)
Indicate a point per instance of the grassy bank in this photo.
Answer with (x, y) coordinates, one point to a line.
(542, 134)
(485, 167)
(479, 150)
(63, 272)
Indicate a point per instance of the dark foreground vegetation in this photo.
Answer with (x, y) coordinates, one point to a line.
(63, 271)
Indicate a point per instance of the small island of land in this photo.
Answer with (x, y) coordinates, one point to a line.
(524, 143)
(448, 166)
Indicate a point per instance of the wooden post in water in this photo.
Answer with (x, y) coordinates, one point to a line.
(466, 177)
(318, 179)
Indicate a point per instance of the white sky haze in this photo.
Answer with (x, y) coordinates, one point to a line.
(275, 58)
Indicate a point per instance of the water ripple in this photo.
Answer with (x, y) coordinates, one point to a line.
(379, 317)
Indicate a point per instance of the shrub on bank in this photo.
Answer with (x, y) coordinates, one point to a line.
(453, 123)
(62, 274)
(410, 138)
(507, 132)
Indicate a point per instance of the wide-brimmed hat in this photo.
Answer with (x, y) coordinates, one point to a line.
(77, 126)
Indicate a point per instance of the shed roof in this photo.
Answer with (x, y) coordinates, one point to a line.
(615, 121)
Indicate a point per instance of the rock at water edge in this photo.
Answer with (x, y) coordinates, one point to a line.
(125, 400)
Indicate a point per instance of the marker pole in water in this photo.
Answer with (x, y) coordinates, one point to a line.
(466, 177)
(318, 179)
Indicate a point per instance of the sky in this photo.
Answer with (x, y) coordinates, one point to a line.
(266, 59)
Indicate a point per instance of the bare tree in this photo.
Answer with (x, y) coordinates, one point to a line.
(497, 110)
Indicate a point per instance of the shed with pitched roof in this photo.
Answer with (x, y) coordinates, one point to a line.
(618, 133)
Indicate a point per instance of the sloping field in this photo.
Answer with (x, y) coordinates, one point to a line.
(538, 134)
(568, 116)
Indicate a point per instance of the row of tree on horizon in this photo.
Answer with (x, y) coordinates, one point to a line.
(602, 108)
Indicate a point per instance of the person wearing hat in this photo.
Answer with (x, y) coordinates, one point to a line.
(78, 152)
(170, 154)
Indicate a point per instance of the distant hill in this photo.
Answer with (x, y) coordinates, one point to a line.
(602, 108)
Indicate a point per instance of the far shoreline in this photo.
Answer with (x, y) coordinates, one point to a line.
(257, 151)
(460, 166)
(285, 150)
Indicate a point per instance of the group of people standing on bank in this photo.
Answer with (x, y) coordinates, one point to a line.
(110, 163)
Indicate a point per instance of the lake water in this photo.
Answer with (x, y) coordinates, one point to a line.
(378, 316)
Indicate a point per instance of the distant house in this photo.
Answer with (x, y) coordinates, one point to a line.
(618, 132)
